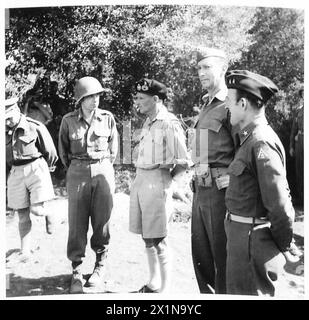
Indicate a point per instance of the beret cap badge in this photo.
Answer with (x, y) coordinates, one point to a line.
(151, 87)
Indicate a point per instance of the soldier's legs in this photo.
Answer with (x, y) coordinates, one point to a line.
(267, 262)
(201, 252)
(103, 186)
(239, 277)
(79, 200)
(209, 240)
(42, 209)
(154, 280)
(24, 227)
(39, 184)
(164, 259)
(159, 266)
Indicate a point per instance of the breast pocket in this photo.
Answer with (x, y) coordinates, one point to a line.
(237, 176)
(27, 144)
(159, 147)
(236, 168)
(212, 124)
(101, 139)
(208, 135)
(77, 142)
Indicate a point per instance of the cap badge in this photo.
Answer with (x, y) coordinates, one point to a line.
(145, 87)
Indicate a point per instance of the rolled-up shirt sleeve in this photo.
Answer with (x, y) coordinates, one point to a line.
(275, 192)
(176, 145)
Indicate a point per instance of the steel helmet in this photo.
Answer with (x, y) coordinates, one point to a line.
(86, 86)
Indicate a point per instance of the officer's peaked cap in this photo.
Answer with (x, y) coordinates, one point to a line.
(151, 87)
(259, 86)
(210, 52)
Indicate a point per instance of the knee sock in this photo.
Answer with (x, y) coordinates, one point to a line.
(154, 271)
(25, 236)
(164, 262)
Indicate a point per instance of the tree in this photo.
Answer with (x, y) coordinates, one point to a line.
(119, 45)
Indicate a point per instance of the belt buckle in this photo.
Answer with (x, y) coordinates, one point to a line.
(201, 169)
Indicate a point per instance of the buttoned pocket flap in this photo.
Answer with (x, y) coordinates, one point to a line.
(237, 168)
(102, 132)
(211, 124)
(27, 138)
(76, 135)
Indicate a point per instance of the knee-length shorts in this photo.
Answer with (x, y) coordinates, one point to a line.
(150, 203)
(29, 184)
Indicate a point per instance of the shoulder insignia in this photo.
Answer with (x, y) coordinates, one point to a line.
(261, 154)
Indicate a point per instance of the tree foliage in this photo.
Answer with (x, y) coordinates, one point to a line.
(119, 45)
(278, 53)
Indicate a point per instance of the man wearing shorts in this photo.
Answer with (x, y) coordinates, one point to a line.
(162, 158)
(29, 152)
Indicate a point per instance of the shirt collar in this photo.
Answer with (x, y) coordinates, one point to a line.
(248, 129)
(161, 114)
(80, 116)
(220, 95)
(23, 123)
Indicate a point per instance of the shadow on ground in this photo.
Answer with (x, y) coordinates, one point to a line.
(17, 286)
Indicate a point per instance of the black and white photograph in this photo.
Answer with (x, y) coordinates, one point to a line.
(154, 150)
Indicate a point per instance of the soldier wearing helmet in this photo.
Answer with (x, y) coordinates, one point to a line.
(88, 146)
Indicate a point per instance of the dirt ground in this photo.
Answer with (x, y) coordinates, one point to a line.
(48, 271)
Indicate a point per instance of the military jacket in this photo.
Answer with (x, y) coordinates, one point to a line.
(28, 141)
(258, 185)
(213, 141)
(79, 140)
(162, 142)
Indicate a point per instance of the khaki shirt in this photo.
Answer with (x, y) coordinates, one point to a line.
(28, 141)
(162, 143)
(79, 140)
(213, 141)
(258, 185)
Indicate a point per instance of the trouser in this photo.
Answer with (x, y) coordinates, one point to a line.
(254, 262)
(90, 191)
(208, 238)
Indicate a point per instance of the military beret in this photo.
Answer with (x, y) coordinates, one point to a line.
(10, 102)
(151, 87)
(259, 86)
(210, 52)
